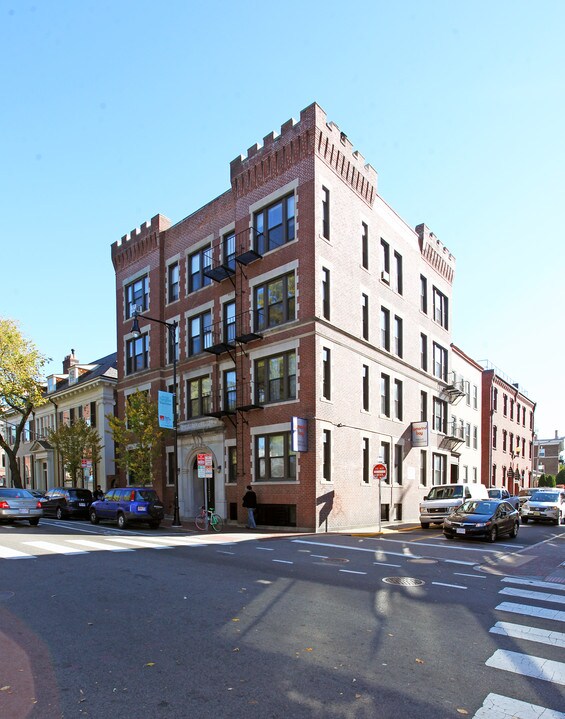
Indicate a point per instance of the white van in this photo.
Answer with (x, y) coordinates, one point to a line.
(444, 498)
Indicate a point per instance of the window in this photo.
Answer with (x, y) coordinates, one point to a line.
(494, 436)
(200, 333)
(230, 390)
(424, 294)
(440, 308)
(440, 362)
(505, 404)
(228, 251)
(511, 409)
(495, 399)
(398, 463)
(325, 293)
(423, 352)
(327, 455)
(385, 395)
(504, 439)
(385, 458)
(198, 392)
(232, 465)
(325, 213)
(274, 225)
(275, 378)
(439, 462)
(385, 329)
(276, 462)
(475, 437)
(229, 323)
(173, 281)
(475, 397)
(365, 388)
(423, 406)
(398, 336)
(467, 434)
(423, 467)
(440, 416)
(275, 302)
(398, 411)
(365, 245)
(137, 296)
(326, 373)
(385, 261)
(198, 262)
(398, 271)
(173, 343)
(365, 316)
(137, 354)
(366, 461)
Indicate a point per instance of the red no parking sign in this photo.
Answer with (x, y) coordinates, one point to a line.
(379, 471)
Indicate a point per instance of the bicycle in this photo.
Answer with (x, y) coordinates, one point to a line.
(208, 519)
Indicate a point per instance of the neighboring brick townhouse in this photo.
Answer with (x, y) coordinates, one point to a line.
(299, 293)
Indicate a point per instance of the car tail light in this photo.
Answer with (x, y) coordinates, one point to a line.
(132, 497)
(38, 505)
(4, 505)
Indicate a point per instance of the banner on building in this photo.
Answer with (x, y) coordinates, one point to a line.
(419, 434)
(299, 434)
(165, 409)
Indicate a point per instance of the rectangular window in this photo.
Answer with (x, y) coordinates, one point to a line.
(198, 392)
(274, 225)
(423, 467)
(398, 454)
(398, 272)
(495, 399)
(385, 261)
(424, 294)
(232, 465)
(173, 344)
(505, 405)
(365, 388)
(440, 308)
(275, 460)
(423, 406)
(228, 251)
(467, 434)
(398, 343)
(423, 352)
(398, 409)
(475, 437)
(137, 296)
(504, 439)
(385, 395)
(440, 362)
(198, 263)
(229, 323)
(173, 281)
(137, 354)
(365, 316)
(440, 416)
(325, 293)
(275, 378)
(326, 373)
(494, 436)
(200, 333)
(385, 329)
(439, 462)
(325, 213)
(475, 397)
(366, 462)
(327, 455)
(230, 391)
(275, 302)
(385, 459)
(365, 245)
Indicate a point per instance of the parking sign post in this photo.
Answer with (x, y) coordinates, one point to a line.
(379, 473)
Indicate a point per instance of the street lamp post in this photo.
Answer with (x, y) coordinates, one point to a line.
(172, 329)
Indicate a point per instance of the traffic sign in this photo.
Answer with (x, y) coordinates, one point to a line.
(379, 471)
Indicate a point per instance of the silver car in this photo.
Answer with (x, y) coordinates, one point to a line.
(19, 504)
(544, 505)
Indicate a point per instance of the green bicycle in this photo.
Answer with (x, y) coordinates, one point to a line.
(208, 519)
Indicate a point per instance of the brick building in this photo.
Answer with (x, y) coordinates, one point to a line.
(547, 457)
(465, 415)
(299, 293)
(508, 432)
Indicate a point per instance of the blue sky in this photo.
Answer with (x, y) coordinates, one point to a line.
(115, 111)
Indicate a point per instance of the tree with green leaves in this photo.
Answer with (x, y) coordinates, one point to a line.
(546, 480)
(138, 437)
(21, 390)
(76, 442)
(560, 477)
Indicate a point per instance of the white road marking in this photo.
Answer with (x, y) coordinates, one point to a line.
(319, 556)
(458, 547)
(8, 553)
(55, 548)
(355, 549)
(264, 549)
(351, 571)
(530, 611)
(385, 564)
(222, 552)
(136, 543)
(528, 594)
(282, 561)
(536, 667)
(532, 634)
(534, 583)
(474, 576)
(453, 586)
(496, 706)
(459, 561)
(98, 545)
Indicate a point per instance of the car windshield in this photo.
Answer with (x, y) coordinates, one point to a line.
(477, 506)
(545, 497)
(80, 493)
(445, 492)
(16, 493)
(494, 493)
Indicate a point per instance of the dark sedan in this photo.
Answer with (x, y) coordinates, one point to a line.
(482, 518)
(64, 502)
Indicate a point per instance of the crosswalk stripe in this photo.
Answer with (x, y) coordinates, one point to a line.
(532, 634)
(530, 594)
(534, 583)
(530, 611)
(497, 706)
(99, 546)
(8, 553)
(137, 543)
(55, 548)
(536, 667)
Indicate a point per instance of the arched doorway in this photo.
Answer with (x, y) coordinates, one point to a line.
(204, 489)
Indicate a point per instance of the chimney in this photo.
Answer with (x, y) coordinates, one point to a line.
(69, 361)
(556, 434)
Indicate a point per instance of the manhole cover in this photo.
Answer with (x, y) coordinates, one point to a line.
(4, 596)
(335, 560)
(404, 581)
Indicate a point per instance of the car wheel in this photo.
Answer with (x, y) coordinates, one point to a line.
(425, 525)
(34, 522)
(154, 525)
(122, 521)
(525, 520)
(59, 513)
(449, 536)
(514, 532)
(492, 535)
(556, 520)
(93, 518)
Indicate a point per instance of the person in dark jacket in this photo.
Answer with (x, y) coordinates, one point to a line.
(250, 503)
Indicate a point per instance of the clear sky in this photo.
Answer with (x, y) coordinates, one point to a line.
(115, 110)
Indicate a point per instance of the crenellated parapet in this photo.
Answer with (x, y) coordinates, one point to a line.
(139, 241)
(435, 253)
(312, 134)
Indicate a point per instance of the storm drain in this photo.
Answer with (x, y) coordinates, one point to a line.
(335, 560)
(404, 581)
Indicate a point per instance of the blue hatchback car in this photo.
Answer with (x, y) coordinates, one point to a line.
(127, 505)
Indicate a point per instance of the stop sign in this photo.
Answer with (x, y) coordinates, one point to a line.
(379, 471)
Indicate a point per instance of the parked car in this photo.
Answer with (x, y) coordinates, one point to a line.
(544, 505)
(38, 493)
(65, 502)
(486, 518)
(504, 494)
(442, 499)
(525, 494)
(129, 505)
(19, 504)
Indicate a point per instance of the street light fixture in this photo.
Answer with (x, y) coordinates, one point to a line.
(172, 328)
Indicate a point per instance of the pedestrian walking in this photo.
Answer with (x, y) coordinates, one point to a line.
(250, 503)
(98, 493)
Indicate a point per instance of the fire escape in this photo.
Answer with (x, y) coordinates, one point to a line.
(453, 392)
